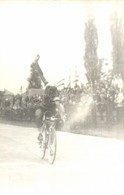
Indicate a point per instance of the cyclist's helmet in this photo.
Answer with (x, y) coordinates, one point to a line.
(51, 91)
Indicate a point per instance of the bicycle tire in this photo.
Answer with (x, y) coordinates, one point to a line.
(43, 145)
(52, 146)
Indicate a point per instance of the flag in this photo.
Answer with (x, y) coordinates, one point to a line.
(60, 81)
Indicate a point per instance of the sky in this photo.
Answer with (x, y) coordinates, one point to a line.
(52, 29)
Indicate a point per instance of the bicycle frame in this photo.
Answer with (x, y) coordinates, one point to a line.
(50, 141)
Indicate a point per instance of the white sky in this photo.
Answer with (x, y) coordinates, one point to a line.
(54, 30)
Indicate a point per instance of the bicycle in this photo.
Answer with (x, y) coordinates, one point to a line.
(49, 139)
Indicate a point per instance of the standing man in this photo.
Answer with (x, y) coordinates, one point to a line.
(38, 70)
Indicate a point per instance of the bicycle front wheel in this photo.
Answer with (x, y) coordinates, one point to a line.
(43, 144)
(52, 146)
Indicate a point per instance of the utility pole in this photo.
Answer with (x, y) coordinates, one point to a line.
(76, 76)
(69, 83)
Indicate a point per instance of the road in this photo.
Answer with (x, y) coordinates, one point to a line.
(84, 164)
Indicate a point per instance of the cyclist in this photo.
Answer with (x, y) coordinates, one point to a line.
(50, 102)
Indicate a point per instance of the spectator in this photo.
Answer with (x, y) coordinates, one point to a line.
(119, 105)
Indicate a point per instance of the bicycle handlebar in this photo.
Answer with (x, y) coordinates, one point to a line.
(53, 118)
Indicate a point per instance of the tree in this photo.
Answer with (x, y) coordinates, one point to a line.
(117, 34)
(90, 56)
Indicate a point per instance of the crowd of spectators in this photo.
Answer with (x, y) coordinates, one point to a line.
(107, 106)
(109, 98)
(20, 107)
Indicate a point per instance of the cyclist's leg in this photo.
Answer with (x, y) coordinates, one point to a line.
(39, 118)
(39, 121)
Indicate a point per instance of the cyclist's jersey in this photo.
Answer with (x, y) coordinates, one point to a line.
(48, 101)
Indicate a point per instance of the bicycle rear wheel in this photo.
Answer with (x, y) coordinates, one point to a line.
(52, 146)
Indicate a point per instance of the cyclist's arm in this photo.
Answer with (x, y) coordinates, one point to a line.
(61, 110)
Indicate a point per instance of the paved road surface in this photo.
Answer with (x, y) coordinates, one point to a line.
(84, 164)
